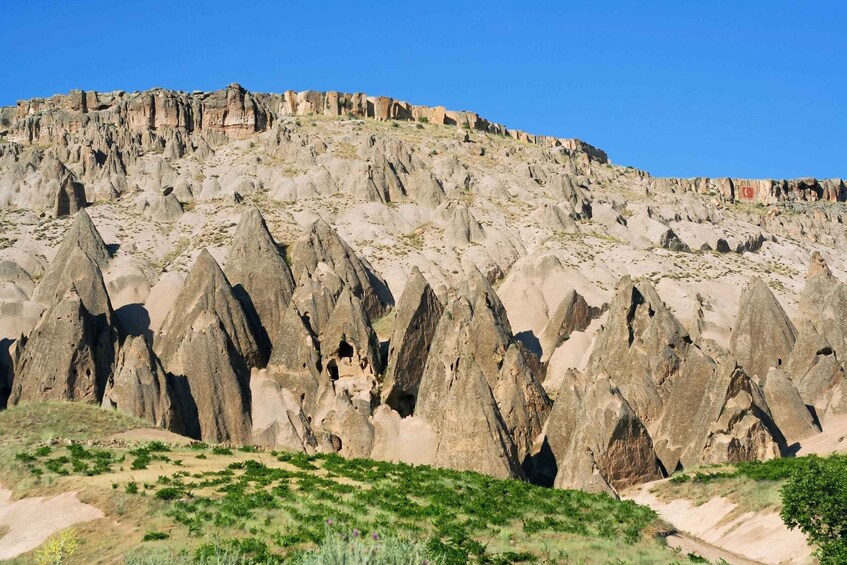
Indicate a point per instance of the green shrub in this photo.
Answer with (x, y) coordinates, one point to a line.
(815, 500)
(155, 536)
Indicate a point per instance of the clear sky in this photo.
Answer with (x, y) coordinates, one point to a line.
(739, 88)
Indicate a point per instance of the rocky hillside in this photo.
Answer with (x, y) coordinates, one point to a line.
(332, 272)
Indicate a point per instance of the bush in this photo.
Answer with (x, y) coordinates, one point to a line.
(355, 549)
(155, 536)
(815, 500)
(58, 549)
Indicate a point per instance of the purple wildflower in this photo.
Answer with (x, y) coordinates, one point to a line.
(375, 536)
(355, 532)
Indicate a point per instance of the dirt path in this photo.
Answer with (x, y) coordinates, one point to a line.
(30, 521)
(689, 544)
(747, 538)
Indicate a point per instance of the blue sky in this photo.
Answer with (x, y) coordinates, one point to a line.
(745, 89)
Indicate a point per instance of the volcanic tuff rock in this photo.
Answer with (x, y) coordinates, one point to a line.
(598, 442)
(456, 399)
(763, 336)
(207, 340)
(259, 275)
(572, 314)
(532, 216)
(68, 356)
(139, 386)
(82, 235)
(416, 319)
(641, 347)
(323, 245)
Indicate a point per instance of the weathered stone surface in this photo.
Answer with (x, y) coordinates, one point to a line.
(456, 399)
(789, 412)
(68, 356)
(763, 336)
(207, 340)
(417, 316)
(278, 419)
(713, 403)
(640, 347)
(139, 386)
(83, 235)
(259, 275)
(321, 244)
(572, 315)
(598, 442)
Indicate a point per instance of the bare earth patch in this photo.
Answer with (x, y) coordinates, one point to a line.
(28, 522)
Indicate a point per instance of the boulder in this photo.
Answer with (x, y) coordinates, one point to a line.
(572, 315)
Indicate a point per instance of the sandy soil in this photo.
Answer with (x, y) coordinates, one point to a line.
(833, 438)
(761, 537)
(30, 521)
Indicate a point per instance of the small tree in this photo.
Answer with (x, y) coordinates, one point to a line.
(815, 500)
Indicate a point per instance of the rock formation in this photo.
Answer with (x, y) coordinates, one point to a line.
(598, 442)
(417, 316)
(206, 339)
(322, 245)
(763, 336)
(139, 386)
(259, 275)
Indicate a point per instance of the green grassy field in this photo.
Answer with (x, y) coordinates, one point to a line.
(198, 503)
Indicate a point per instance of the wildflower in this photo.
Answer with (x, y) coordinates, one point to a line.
(375, 536)
(330, 522)
(355, 532)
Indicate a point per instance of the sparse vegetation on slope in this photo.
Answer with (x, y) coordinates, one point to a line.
(211, 504)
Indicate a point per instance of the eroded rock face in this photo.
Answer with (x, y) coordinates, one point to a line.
(572, 315)
(417, 317)
(789, 412)
(715, 410)
(763, 336)
(139, 386)
(457, 401)
(207, 342)
(598, 442)
(82, 235)
(640, 347)
(259, 275)
(322, 245)
(68, 356)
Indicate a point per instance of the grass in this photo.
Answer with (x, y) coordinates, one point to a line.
(165, 504)
(754, 486)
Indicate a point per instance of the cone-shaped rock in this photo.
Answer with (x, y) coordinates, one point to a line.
(259, 275)
(455, 398)
(787, 408)
(817, 371)
(695, 415)
(83, 235)
(205, 290)
(598, 442)
(572, 315)
(322, 244)
(763, 336)
(417, 316)
(67, 356)
(206, 339)
(640, 347)
(315, 297)
(139, 386)
(824, 303)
